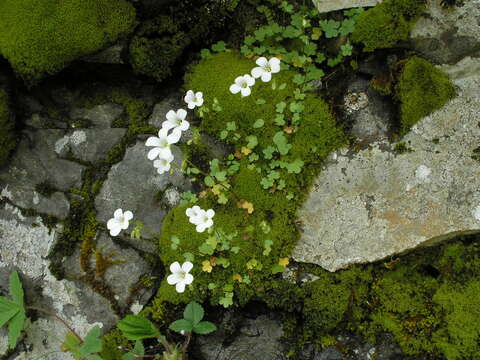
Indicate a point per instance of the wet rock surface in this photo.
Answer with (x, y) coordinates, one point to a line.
(448, 34)
(325, 6)
(372, 204)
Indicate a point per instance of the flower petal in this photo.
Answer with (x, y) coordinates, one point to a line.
(111, 223)
(199, 101)
(189, 96)
(174, 278)
(257, 72)
(239, 80)
(118, 213)
(250, 80)
(152, 154)
(184, 125)
(182, 113)
(191, 105)
(115, 231)
(235, 89)
(266, 76)
(210, 213)
(188, 279)
(175, 267)
(262, 61)
(274, 64)
(187, 266)
(200, 227)
(128, 215)
(199, 95)
(180, 287)
(153, 141)
(246, 91)
(171, 115)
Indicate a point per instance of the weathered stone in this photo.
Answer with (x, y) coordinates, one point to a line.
(133, 185)
(24, 247)
(173, 101)
(121, 277)
(258, 338)
(36, 162)
(90, 144)
(368, 112)
(446, 35)
(369, 205)
(325, 6)
(101, 116)
(110, 55)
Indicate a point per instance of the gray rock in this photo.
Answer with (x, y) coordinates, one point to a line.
(132, 185)
(110, 55)
(173, 101)
(258, 338)
(121, 277)
(325, 6)
(90, 144)
(367, 111)
(101, 116)
(39, 121)
(369, 205)
(446, 35)
(36, 162)
(25, 245)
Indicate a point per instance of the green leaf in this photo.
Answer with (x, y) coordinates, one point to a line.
(205, 53)
(279, 119)
(16, 290)
(295, 167)
(209, 181)
(298, 79)
(6, 315)
(15, 327)
(268, 152)
(231, 126)
(330, 28)
(189, 257)
(277, 269)
(206, 249)
(249, 40)
(205, 327)
(280, 107)
(92, 343)
(282, 86)
(193, 313)
(348, 26)
(72, 345)
(219, 46)
(181, 325)
(212, 286)
(268, 247)
(252, 141)
(136, 327)
(258, 123)
(223, 261)
(346, 49)
(260, 101)
(227, 300)
(280, 140)
(235, 249)
(223, 134)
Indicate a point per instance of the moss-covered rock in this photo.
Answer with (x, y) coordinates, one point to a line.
(161, 42)
(273, 219)
(421, 89)
(41, 37)
(387, 23)
(7, 128)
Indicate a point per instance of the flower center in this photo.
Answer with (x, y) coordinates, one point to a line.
(244, 85)
(163, 143)
(267, 68)
(182, 274)
(178, 121)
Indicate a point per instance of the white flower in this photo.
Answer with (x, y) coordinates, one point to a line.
(161, 144)
(162, 164)
(136, 308)
(180, 275)
(242, 84)
(266, 68)
(194, 99)
(176, 120)
(119, 222)
(193, 213)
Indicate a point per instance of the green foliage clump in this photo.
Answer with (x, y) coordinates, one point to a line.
(113, 344)
(422, 89)
(387, 23)
(41, 37)
(252, 239)
(7, 128)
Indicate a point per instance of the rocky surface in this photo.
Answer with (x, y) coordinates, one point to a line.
(325, 6)
(138, 191)
(447, 34)
(35, 162)
(371, 204)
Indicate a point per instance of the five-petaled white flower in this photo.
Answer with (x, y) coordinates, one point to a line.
(119, 222)
(161, 144)
(162, 164)
(194, 99)
(204, 220)
(180, 275)
(176, 120)
(266, 68)
(242, 85)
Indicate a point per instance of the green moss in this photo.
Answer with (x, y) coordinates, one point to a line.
(422, 89)
(7, 128)
(40, 37)
(274, 215)
(161, 42)
(111, 344)
(387, 23)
